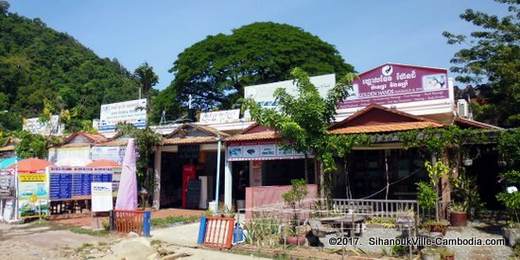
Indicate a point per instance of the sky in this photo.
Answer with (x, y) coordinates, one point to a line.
(366, 33)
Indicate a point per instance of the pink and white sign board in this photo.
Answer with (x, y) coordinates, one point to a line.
(393, 84)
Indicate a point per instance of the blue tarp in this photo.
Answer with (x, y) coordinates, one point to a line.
(7, 162)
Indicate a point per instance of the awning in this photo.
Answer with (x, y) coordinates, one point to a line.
(5, 163)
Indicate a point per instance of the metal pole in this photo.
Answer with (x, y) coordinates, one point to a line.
(218, 173)
(16, 188)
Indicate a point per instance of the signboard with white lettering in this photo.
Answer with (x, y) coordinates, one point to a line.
(393, 84)
(37, 126)
(129, 112)
(264, 94)
(220, 117)
(260, 152)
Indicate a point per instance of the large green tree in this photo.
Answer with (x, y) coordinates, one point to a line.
(491, 60)
(215, 70)
(38, 63)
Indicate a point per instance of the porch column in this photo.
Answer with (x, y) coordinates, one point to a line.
(228, 182)
(157, 177)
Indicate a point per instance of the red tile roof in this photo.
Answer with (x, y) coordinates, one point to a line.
(264, 135)
(391, 127)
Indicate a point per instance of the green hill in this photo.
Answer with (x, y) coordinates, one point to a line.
(38, 63)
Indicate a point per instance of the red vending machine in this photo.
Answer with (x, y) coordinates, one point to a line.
(188, 173)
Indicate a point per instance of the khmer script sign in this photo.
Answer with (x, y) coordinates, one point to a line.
(391, 84)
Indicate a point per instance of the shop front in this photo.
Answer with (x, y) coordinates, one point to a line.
(187, 163)
(256, 158)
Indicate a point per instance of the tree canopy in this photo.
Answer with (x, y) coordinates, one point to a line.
(492, 62)
(215, 70)
(38, 63)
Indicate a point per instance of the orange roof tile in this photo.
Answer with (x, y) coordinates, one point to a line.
(393, 127)
(264, 135)
(190, 140)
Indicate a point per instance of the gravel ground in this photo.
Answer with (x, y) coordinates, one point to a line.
(33, 241)
(478, 231)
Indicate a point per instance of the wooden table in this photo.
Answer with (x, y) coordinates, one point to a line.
(349, 221)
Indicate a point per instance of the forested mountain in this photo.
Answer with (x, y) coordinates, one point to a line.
(38, 63)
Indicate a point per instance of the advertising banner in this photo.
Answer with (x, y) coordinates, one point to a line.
(396, 84)
(264, 94)
(101, 196)
(220, 117)
(33, 194)
(7, 186)
(130, 112)
(66, 183)
(51, 127)
(114, 153)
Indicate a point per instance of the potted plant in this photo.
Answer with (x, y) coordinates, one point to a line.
(466, 191)
(428, 195)
(458, 214)
(293, 198)
(511, 200)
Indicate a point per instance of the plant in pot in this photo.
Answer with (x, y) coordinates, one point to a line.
(428, 195)
(458, 214)
(511, 200)
(466, 191)
(293, 198)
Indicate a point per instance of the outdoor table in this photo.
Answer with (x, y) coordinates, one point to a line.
(349, 220)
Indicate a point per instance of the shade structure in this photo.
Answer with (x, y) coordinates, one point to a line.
(5, 163)
(127, 193)
(104, 163)
(31, 165)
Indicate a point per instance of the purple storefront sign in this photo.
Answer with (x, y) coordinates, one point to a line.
(395, 83)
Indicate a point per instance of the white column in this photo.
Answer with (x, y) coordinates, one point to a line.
(157, 179)
(228, 182)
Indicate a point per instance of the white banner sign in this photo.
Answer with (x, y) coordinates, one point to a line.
(264, 94)
(101, 196)
(259, 152)
(220, 117)
(130, 112)
(114, 153)
(51, 127)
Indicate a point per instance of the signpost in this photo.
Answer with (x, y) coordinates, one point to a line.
(130, 112)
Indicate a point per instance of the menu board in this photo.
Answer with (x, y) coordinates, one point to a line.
(70, 183)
